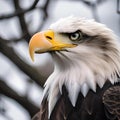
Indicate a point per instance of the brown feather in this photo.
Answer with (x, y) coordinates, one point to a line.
(111, 100)
(89, 108)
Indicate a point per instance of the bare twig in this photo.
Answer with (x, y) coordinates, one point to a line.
(45, 15)
(18, 12)
(94, 12)
(93, 7)
(45, 8)
(14, 40)
(118, 6)
(24, 67)
(7, 91)
(9, 52)
(23, 24)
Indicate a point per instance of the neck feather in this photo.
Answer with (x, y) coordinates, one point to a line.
(80, 69)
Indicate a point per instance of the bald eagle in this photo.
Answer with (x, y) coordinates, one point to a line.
(85, 82)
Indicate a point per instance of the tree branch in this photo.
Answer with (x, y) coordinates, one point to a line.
(118, 6)
(18, 12)
(7, 91)
(23, 24)
(14, 40)
(45, 15)
(45, 8)
(10, 53)
(24, 67)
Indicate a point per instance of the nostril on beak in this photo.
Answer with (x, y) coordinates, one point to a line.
(48, 37)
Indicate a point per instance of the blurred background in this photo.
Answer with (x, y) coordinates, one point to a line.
(21, 80)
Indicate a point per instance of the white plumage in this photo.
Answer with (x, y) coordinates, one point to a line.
(83, 67)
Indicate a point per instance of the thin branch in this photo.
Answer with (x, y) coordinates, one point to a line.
(45, 8)
(14, 40)
(118, 6)
(23, 66)
(95, 12)
(93, 7)
(18, 12)
(21, 18)
(45, 15)
(9, 92)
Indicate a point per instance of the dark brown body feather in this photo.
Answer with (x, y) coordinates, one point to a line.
(104, 104)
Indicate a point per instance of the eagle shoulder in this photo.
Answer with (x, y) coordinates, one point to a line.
(104, 104)
(111, 100)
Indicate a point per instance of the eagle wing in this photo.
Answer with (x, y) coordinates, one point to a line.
(43, 114)
(111, 100)
(90, 108)
(60, 112)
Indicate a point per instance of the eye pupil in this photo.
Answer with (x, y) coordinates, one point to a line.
(73, 35)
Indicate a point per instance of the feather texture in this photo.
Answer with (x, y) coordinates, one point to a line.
(90, 107)
(81, 71)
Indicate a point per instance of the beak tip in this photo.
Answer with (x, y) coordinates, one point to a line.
(31, 53)
(32, 57)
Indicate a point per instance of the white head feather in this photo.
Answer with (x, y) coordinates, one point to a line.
(83, 67)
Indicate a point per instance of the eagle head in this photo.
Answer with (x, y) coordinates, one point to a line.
(85, 53)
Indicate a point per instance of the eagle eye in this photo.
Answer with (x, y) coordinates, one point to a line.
(75, 36)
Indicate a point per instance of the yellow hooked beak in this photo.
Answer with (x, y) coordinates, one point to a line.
(44, 41)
